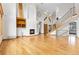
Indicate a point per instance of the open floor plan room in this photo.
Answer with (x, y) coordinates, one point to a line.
(39, 28)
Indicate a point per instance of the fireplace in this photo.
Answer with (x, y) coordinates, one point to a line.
(32, 31)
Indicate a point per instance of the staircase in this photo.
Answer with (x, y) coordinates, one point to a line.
(64, 21)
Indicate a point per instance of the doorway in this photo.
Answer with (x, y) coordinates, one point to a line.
(72, 33)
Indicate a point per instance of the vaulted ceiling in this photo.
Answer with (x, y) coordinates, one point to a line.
(49, 8)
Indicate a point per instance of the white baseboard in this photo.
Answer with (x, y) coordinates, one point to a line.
(9, 37)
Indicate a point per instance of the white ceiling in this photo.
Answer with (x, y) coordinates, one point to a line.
(62, 8)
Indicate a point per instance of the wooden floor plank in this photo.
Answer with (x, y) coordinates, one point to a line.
(38, 45)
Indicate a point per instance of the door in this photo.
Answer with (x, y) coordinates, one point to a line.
(72, 33)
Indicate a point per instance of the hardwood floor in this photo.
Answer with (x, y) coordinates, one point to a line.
(38, 45)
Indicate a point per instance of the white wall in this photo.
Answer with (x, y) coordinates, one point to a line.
(31, 21)
(41, 19)
(9, 20)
